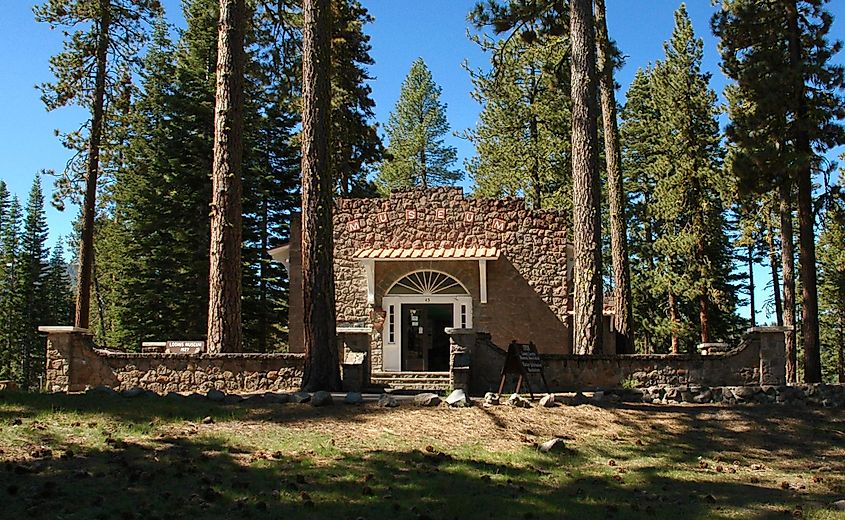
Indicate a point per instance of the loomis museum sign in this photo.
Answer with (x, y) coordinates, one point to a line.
(185, 347)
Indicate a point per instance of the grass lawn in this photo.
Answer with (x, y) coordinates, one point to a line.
(83, 456)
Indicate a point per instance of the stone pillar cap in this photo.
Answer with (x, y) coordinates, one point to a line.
(62, 329)
(767, 329)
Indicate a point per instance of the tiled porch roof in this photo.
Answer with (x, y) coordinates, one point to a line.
(450, 253)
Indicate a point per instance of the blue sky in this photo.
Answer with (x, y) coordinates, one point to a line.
(403, 30)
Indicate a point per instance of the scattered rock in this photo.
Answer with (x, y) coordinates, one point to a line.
(579, 399)
(491, 399)
(300, 397)
(277, 398)
(518, 401)
(387, 401)
(102, 390)
(458, 398)
(215, 395)
(353, 398)
(322, 398)
(427, 399)
(744, 392)
(598, 395)
(208, 420)
(839, 505)
(553, 445)
(135, 391)
(548, 401)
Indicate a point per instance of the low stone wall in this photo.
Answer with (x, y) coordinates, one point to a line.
(74, 364)
(828, 396)
(758, 360)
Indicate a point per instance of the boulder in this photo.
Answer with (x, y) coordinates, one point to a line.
(215, 395)
(548, 401)
(135, 391)
(839, 505)
(353, 398)
(102, 390)
(578, 399)
(427, 399)
(704, 397)
(598, 395)
(176, 396)
(458, 398)
(321, 398)
(300, 397)
(553, 445)
(518, 401)
(387, 401)
(744, 392)
(277, 398)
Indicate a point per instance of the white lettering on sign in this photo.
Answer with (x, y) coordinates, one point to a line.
(410, 214)
(382, 218)
(353, 225)
(441, 213)
(469, 216)
(498, 224)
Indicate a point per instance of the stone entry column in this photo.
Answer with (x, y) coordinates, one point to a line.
(461, 342)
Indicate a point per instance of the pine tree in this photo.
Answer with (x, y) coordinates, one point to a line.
(11, 315)
(588, 304)
(355, 143)
(416, 154)
(321, 371)
(832, 287)
(522, 138)
(689, 194)
(786, 113)
(615, 188)
(59, 296)
(85, 75)
(32, 277)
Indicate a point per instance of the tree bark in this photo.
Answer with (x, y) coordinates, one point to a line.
(322, 371)
(585, 183)
(773, 264)
(615, 188)
(224, 282)
(89, 205)
(704, 299)
(751, 299)
(841, 349)
(787, 260)
(806, 215)
(673, 317)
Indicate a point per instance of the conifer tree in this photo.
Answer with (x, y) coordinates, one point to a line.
(786, 113)
(416, 154)
(832, 287)
(58, 293)
(11, 310)
(522, 138)
(107, 35)
(355, 143)
(32, 277)
(588, 304)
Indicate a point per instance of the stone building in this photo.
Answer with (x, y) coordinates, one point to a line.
(413, 265)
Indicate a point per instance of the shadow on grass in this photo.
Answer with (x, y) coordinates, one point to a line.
(206, 478)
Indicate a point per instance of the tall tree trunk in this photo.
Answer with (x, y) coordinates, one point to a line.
(322, 371)
(585, 183)
(787, 261)
(423, 172)
(263, 274)
(224, 282)
(751, 299)
(703, 300)
(806, 216)
(841, 348)
(89, 205)
(773, 264)
(673, 317)
(615, 188)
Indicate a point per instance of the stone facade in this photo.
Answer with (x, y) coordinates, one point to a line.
(527, 285)
(74, 364)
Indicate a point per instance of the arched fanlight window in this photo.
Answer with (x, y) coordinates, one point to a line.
(427, 283)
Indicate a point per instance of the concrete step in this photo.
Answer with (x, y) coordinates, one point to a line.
(411, 380)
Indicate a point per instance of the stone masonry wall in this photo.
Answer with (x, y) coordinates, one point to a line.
(74, 364)
(527, 285)
(758, 360)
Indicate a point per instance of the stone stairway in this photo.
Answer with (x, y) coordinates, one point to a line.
(432, 381)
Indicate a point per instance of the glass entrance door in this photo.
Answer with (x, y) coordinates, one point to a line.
(425, 344)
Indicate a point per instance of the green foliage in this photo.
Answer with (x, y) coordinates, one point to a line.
(522, 138)
(831, 254)
(416, 154)
(673, 160)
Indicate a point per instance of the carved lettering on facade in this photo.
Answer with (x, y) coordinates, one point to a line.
(353, 225)
(383, 217)
(410, 214)
(440, 214)
(498, 224)
(469, 216)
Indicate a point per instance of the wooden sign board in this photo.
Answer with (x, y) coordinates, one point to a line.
(184, 347)
(523, 360)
